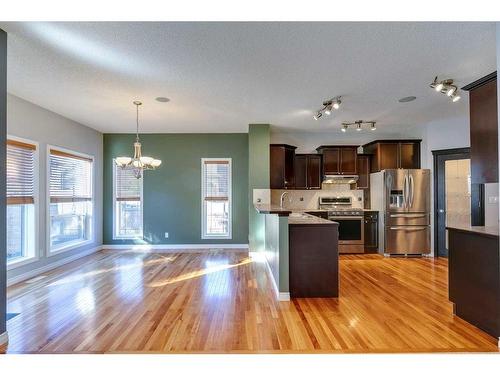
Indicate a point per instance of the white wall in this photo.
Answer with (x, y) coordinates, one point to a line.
(442, 135)
(29, 121)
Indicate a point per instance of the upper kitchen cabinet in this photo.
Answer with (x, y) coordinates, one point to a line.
(363, 183)
(483, 129)
(394, 154)
(282, 166)
(363, 171)
(308, 171)
(339, 159)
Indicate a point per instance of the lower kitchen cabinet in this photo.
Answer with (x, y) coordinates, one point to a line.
(371, 231)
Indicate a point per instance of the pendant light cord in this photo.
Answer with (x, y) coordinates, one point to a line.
(137, 122)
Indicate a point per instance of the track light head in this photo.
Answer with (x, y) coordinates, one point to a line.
(455, 98)
(451, 90)
(328, 110)
(336, 102)
(344, 127)
(373, 127)
(317, 115)
(358, 128)
(439, 87)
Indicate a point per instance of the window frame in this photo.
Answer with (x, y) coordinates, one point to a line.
(49, 252)
(36, 209)
(125, 237)
(204, 234)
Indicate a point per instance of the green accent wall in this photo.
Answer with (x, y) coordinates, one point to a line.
(172, 193)
(259, 138)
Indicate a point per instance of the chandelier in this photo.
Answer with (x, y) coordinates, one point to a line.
(138, 163)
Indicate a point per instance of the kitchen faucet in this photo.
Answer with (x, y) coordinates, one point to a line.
(282, 198)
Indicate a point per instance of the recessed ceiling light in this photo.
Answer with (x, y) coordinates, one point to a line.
(407, 99)
(162, 99)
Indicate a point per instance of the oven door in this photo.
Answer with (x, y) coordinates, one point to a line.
(351, 233)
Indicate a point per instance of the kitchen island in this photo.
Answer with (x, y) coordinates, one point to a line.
(301, 251)
(474, 276)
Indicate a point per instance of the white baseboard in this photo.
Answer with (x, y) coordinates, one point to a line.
(281, 296)
(49, 267)
(4, 338)
(185, 248)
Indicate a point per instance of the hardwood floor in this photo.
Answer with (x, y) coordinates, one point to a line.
(116, 301)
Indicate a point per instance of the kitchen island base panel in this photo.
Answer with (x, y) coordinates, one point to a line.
(314, 260)
(474, 278)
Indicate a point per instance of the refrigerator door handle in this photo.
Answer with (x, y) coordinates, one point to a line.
(406, 229)
(410, 216)
(411, 186)
(405, 192)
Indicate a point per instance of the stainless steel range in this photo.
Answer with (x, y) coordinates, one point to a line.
(351, 222)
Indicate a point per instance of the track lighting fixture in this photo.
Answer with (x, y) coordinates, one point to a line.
(447, 87)
(358, 125)
(317, 115)
(328, 106)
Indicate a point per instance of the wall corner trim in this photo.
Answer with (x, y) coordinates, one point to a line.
(260, 257)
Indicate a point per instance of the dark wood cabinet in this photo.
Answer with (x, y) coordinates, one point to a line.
(409, 155)
(371, 231)
(363, 183)
(393, 154)
(474, 278)
(282, 158)
(363, 169)
(307, 171)
(339, 159)
(331, 161)
(313, 260)
(483, 129)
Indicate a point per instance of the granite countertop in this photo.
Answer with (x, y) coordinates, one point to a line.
(263, 208)
(491, 231)
(303, 218)
(272, 209)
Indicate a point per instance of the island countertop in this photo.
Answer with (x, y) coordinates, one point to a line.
(303, 218)
(490, 231)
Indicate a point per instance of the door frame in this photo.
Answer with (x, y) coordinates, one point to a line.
(449, 154)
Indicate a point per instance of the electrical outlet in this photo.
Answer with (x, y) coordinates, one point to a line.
(166, 234)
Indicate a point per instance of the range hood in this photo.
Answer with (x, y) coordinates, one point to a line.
(340, 179)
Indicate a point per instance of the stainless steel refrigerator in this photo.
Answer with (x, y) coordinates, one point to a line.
(402, 197)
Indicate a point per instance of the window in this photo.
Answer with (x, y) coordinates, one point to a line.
(216, 198)
(21, 233)
(70, 206)
(127, 190)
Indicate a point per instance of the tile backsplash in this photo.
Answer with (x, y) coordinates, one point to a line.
(309, 199)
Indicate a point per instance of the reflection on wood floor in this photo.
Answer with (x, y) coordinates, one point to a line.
(116, 301)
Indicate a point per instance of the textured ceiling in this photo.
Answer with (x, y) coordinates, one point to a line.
(222, 76)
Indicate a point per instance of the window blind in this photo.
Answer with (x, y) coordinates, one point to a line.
(127, 186)
(216, 179)
(20, 172)
(70, 177)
